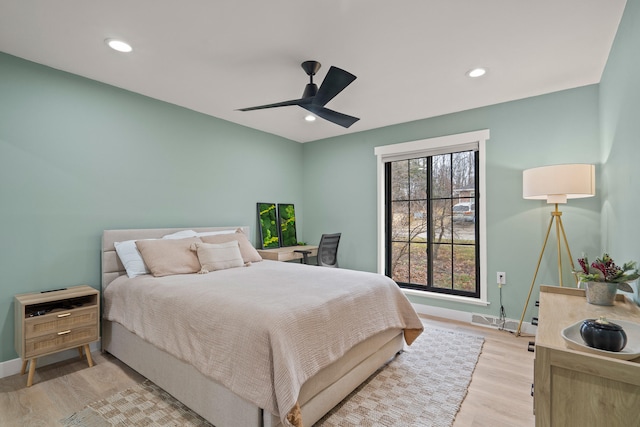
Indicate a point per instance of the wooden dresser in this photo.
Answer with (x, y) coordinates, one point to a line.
(574, 387)
(49, 322)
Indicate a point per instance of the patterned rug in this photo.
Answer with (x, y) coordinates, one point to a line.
(424, 386)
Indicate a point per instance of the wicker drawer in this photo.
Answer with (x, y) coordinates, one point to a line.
(60, 340)
(60, 321)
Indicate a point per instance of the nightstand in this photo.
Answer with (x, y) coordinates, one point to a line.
(54, 321)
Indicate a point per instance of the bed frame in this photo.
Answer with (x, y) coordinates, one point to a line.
(209, 398)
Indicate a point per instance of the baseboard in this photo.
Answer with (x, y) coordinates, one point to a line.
(473, 318)
(445, 313)
(12, 367)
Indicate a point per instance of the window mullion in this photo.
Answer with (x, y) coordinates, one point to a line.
(409, 258)
(452, 253)
(429, 233)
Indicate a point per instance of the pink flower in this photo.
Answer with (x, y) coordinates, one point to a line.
(584, 263)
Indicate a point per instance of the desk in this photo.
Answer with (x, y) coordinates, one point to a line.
(287, 253)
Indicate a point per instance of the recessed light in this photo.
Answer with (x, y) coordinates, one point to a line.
(310, 118)
(477, 72)
(118, 45)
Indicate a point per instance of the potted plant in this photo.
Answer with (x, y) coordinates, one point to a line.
(602, 278)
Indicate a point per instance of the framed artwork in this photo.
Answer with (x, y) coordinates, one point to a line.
(287, 221)
(269, 236)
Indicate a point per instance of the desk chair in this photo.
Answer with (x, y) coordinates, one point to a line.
(327, 251)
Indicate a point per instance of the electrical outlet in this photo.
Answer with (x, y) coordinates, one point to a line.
(502, 278)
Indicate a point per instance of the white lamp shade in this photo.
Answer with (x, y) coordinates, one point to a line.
(557, 183)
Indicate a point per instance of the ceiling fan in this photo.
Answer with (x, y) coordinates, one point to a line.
(314, 99)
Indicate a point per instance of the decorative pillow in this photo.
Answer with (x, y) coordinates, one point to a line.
(165, 257)
(182, 234)
(249, 253)
(131, 258)
(218, 256)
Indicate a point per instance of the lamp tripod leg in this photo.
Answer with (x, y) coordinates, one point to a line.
(533, 282)
(558, 246)
(566, 244)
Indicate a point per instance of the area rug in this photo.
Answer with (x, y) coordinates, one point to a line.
(423, 386)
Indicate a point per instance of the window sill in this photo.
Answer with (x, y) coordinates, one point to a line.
(445, 297)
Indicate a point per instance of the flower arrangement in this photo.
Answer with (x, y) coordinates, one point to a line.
(605, 270)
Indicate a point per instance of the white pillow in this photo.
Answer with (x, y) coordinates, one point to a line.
(218, 256)
(131, 258)
(213, 233)
(183, 234)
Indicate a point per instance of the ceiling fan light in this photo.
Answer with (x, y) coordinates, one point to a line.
(119, 45)
(477, 72)
(310, 118)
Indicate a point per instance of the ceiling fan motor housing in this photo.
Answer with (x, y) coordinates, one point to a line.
(310, 90)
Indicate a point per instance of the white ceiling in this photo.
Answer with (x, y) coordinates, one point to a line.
(410, 56)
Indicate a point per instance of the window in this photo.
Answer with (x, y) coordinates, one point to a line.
(431, 236)
(431, 229)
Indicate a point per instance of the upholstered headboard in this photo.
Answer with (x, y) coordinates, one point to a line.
(112, 268)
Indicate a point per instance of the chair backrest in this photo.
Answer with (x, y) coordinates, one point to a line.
(328, 250)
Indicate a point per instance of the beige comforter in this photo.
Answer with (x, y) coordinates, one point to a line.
(261, 330)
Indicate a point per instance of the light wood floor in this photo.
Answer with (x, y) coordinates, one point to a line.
(500, 391)
(499, 394)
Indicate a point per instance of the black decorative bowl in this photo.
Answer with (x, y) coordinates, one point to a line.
(603, 335)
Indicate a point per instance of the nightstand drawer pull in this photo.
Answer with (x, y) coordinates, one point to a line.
(64, 314)
(64, 332)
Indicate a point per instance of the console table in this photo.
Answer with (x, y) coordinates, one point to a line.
(575, 387)
(287, 253)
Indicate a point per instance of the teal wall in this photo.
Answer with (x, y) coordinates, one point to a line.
(77, 157)
(562, 127)
(620, 134)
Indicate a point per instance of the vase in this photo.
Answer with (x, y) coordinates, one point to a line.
(603, 335)
(600, 293)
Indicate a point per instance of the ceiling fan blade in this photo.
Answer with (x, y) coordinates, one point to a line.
(334, 82)
(330, 115)
(301, 102)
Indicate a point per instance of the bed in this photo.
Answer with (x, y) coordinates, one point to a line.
(241, 346)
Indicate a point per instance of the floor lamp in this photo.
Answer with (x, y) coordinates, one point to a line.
(556, 184)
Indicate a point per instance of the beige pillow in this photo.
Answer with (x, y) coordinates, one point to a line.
(168, 256)
(249, 253)
(218, 256)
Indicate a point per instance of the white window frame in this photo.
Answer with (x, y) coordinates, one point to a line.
(430, 147)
